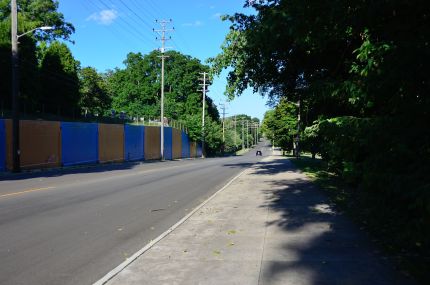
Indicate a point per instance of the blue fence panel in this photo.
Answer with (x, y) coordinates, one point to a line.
(134, 142)
(2, 146)
(185, 145)
(168, 143)
(79, 143)
(199, 150)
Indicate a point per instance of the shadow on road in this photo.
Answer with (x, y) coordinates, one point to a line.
(81, 169)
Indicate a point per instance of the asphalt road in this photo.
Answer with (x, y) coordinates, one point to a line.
(73, 226)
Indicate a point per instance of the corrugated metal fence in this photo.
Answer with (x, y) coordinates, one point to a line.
(46, 144)
(79, 143)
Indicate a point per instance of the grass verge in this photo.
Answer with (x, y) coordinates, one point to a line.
(242, 151)
(330, 183)
(347, 200)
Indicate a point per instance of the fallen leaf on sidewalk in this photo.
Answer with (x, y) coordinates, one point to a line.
(156, 210)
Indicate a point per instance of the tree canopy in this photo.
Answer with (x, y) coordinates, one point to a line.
(31, 14)
(359, 69)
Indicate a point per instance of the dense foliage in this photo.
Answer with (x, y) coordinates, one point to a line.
(240, 132)
(360, 69)
(135, 90)
(39, 60)
(94, 98)
(280, 124)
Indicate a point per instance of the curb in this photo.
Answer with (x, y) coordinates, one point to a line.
(127, 262)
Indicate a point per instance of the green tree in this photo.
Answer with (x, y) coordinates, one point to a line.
(31, 14)
(136, 90)
(280, 124)
(59, 80)
(360, 71)
(268, 125)
(94, 96)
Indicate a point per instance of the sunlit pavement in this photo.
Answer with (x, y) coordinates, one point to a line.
(270, 226)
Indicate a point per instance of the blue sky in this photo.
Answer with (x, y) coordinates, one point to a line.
(106, 30)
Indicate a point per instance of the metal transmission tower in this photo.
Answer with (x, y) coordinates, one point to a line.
(162, 32)
(205, 81)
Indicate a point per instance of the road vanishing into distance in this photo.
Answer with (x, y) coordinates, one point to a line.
(73, 226)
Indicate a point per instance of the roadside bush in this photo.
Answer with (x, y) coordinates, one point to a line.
(387, 162)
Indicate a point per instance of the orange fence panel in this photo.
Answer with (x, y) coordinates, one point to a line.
(152, 143)
(177, 144)
(193, 149)
(111, 143)
(40, 144)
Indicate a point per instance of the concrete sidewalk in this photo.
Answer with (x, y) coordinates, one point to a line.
(270, 226)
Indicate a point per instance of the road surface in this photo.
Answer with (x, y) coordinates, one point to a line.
(74, 226)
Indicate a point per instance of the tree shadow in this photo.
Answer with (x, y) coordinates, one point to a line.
(78, 169)
(263, 167)
(308, 242)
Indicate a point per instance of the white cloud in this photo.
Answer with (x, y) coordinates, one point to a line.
(216, 16)
(194, 24)
(104, 17)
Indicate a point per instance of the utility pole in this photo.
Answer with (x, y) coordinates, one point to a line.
(243, 134)
(258, 133)
(247, 134)
(298, 131)
(163, 39)
(235, 133)
(222, 105)
(204, 80)
(15, 89)
(254, 133)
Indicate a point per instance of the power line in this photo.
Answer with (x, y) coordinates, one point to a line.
(145, 10)
(131, 28)
(131, 10)
(86, 7)
(159, 11)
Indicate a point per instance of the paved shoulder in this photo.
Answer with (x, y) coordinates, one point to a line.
(270, 226)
